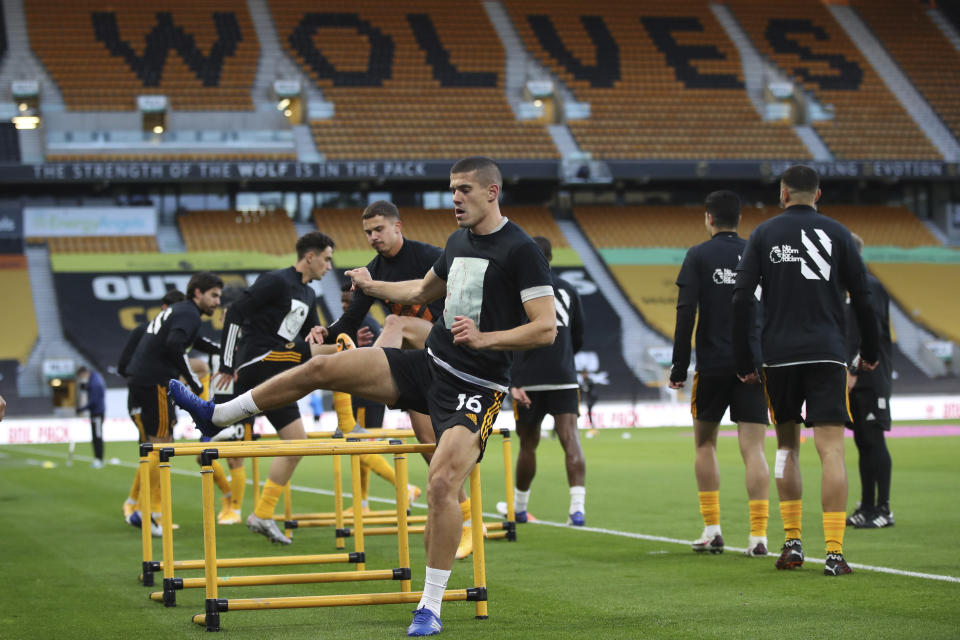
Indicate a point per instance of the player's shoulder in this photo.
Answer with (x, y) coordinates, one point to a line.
(423, 248)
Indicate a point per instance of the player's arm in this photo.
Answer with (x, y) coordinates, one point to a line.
(253, 297)
(349, 323)
(748, 277)
(687, 301)
(576, 320)
(860, 300)
(540, 331)
(206, 345)
(129, 348)
(423, 291)
(183, 330)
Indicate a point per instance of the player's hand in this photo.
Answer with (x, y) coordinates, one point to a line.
(317, 335)
(520, 397)
(676, 384)
(465, 333)
(364, 337)
(222, 380)
(3, 407)
(360, 277)
(751, 378)
(851, 380)
(868, 366)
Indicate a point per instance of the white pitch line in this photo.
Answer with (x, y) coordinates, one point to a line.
(610, 532)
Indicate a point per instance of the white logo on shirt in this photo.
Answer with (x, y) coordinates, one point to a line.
(812, 253)
(724, 276)
(293, 321)
(784, 253)
(465, 289)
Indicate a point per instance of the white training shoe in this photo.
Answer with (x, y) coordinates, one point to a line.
(267, 528)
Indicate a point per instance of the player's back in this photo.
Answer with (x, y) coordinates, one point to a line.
(152, 362)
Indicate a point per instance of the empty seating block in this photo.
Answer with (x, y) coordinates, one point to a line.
(405, 81)
(202, 55)
(663, 79)
(170, 157)
(926, 292)
(254, 231)
(921, 50)
(18, 322)
(101, 244)
(805, 41)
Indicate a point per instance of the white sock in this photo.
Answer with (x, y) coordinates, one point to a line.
(130, 501)
(578, 496)
(235, 410)
(712, 530)
(468, 523)
(434, 584)
(364, 504)
(520, 499)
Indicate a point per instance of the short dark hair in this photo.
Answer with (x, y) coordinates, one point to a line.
(724, 206)
(801, 178)
(545, 246)
(487, 170)
(203, 280)
(313, 241)
(172, 297)
(82, 369)
(381, 208)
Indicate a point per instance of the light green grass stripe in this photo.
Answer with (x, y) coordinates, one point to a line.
(196, 261)
(675, 255)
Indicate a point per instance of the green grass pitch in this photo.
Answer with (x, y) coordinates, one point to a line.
(69, 565)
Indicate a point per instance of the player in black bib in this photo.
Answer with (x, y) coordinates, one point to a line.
(161, 354)
(544, 381)
(706, 286)
(806, 264)
(272, 328)
(870, 408)
(491, 273)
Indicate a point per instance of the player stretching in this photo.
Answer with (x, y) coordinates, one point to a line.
(491, 273)
(544, 381)
(706, 282)
(806, 264)
(275, 320)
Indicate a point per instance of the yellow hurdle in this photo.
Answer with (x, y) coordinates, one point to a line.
(214, 605)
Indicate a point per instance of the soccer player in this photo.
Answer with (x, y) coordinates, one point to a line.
(161, 354)
(96, 404)
(272, 328)
(544, 381)
(706, 285)
(491, 273)
(169, 298)
(399, 259)
(870, 407)
(806, 264)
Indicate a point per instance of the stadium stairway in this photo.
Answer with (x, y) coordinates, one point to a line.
(638, 338)
(898, 83)
(755, 72)
(20, 63)
(50, 341)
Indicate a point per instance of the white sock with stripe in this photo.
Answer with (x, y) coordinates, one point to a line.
(434, 584)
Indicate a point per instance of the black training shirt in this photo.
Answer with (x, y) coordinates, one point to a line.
(161, 352)
(881, 378)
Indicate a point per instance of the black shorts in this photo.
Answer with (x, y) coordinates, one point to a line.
(712, 394)
(152, 410)
(869, 410)
(448, 400)
(822, 385)
(554, 402)
(275, 362)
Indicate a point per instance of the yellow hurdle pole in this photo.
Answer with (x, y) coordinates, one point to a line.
(166, 506)
(479, 559)
(338, 499)
(212, 618)
(300, 602)
(357, 510)
(287, 509)
(291, 578)
(508, 475)
(146, 536)
(268, 561)
(403, 536)
(256, 481)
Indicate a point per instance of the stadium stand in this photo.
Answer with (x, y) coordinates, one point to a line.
(170, 157)
(432, 226)
(18, 322)
(9, 143)
(921, 289)
(255, 231)
(914, 41)
(806, 42)
(99, 244)
(405, 82)
(624, 237)
(663, 81)
(202, 56)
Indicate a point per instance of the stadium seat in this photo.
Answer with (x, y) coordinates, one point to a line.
(246, 231)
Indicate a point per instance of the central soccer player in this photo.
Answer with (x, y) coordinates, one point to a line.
(492, 273)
